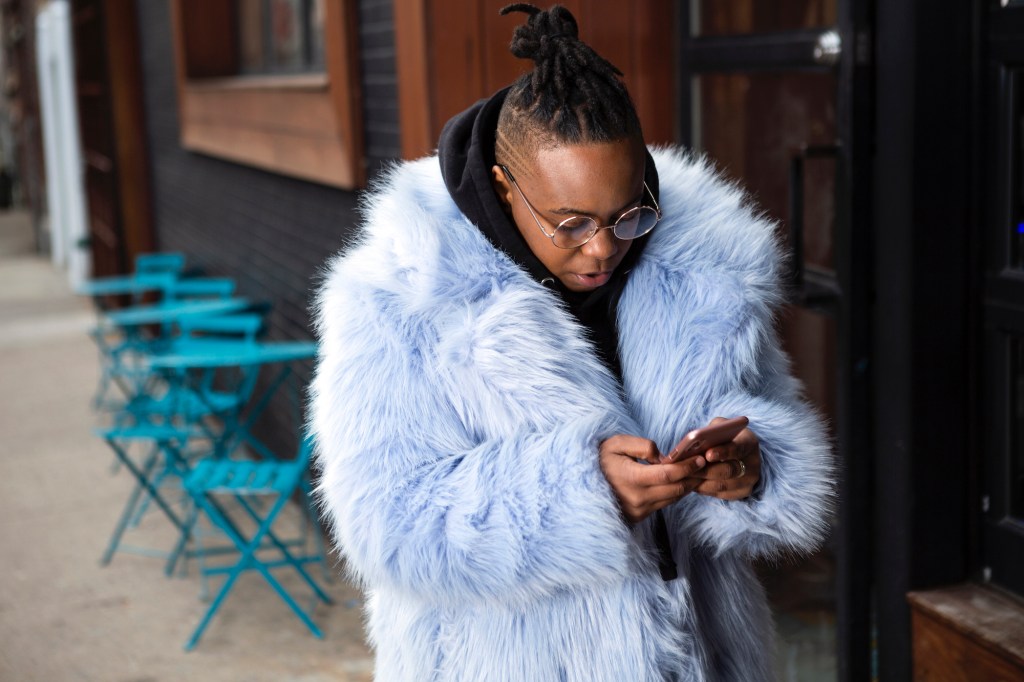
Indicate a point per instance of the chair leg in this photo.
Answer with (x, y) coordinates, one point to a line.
(182, 543)
(133, 500)
(217, 601)
(249, 561)
(144, 484)
(287, 555)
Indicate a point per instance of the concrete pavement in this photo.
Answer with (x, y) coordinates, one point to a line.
(62, 615)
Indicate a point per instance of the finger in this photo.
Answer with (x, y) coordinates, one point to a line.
(721, 487)
(748, 442)
(746, 437)
(662, 504)
(720, 471)
(724, 452)
(730, 493)
(666, 474)
(635, 447)
(661, 495)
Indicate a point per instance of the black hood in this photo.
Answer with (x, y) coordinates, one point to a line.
(466, 154)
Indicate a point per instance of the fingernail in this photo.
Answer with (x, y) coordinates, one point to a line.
(700, 462)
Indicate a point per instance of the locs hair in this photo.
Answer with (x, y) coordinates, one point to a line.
(573, 95)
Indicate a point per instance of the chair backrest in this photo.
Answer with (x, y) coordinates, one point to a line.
(201, 287)
(245, 327)
(166, 261)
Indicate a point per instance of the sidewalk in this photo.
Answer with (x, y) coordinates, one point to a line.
(62, 615)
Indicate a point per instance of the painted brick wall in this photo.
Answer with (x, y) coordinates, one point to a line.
(270, 232)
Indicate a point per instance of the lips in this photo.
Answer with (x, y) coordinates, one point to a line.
(593, 280)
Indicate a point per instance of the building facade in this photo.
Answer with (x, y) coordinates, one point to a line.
(885, 137)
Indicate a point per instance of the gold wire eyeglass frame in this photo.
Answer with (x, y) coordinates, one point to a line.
(628, 214)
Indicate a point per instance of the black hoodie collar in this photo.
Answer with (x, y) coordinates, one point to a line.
(466, 155)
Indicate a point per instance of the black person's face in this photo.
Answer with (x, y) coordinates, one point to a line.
(599, 180)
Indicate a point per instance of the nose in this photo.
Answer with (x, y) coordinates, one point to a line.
(602, 246)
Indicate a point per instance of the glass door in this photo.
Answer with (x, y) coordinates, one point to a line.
(775, 94)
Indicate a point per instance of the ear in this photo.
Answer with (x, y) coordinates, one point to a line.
(502, 186)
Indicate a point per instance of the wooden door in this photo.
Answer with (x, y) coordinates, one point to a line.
(111, 120)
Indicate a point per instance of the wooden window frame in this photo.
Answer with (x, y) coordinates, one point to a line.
(307, 126)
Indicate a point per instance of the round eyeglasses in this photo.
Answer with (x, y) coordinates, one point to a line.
(575, 231)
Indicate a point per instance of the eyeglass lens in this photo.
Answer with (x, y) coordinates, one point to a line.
(634, 223)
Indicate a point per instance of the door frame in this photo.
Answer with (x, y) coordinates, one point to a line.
(847, 297)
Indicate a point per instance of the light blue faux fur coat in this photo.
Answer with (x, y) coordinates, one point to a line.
(458, 409)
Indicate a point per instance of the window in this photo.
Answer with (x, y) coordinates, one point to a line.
(272, 84)
(280, 36)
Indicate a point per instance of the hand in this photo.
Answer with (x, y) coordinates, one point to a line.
(721, 477)
(644, 488)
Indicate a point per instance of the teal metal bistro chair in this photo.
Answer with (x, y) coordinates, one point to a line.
(117, 345)
(261, 490)
(165, 447)
(190, 399)
(126, 365)
(153, 273)
(197, 406)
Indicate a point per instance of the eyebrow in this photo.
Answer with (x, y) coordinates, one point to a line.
(620, 211)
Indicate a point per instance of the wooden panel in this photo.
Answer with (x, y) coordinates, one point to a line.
(293, 112)
(97, 128)
(608, 28)
(129, 127)
(456, 62)
(345, 95)
(500, 67)
(651, 81)
(210, 39)
(941, 654)
(967, 632)
(311, 158)
(412, 61)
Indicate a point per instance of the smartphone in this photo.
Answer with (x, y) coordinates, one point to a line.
(699, 440)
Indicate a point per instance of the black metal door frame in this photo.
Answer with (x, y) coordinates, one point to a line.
(847, 295)
(1001, 550)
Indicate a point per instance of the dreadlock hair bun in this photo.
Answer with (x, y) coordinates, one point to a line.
(572, 95)
(537, 39)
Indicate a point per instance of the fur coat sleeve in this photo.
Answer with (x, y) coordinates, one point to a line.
(717, 354)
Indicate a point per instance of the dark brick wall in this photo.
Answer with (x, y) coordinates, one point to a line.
(272, 233)
(379, 81)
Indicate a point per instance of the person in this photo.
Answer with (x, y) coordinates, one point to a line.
(526, 323)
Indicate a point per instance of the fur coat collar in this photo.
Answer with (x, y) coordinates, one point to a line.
(457, 408)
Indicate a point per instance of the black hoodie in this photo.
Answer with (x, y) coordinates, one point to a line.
(466, 153)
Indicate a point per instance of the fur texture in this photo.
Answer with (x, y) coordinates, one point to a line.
(458, 408)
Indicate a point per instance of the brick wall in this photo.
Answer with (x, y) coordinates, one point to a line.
(272, 233)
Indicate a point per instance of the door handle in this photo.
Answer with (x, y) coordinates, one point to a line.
(828, 48)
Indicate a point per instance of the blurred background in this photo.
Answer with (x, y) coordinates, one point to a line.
(885, 138)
